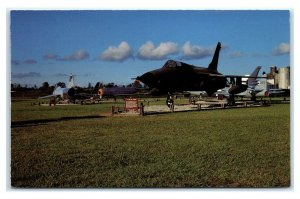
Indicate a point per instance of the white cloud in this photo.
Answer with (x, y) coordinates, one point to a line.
(26, 75)
(15, 62)
(120, 53)
(51, 56)
(195, 52)
(30, 61)
(282, 49)
(148, 50)
(235, 54)
(76, 56)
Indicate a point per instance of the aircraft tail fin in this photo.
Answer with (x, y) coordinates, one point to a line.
(252, 81)
(262, 84)
(96, 88)
(71, 81)
(213, 66)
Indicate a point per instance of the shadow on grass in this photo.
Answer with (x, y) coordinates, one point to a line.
(45, 121)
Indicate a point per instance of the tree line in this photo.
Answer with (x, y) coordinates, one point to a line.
(25, 91)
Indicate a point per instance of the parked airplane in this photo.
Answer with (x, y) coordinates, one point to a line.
(83, 97)
(69, 94)
(117, 91)
(251, 90)
(251, 82)
(267, 92)
(60, 93)
(177, 76)
(259, 89)
(135, 89)
(262, 90)
(275, 92)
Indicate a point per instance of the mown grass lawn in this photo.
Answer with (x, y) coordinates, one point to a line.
(220, 148)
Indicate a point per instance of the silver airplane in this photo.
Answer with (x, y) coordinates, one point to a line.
(60, 93)
(69, 94)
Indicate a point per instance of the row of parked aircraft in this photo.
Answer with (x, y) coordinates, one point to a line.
(69, 93)
(180, 77)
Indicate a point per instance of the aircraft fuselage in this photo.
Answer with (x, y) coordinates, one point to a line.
(178, 76)
(64, 93)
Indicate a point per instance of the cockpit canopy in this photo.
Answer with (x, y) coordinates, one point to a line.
(172, 64)
(177, 64)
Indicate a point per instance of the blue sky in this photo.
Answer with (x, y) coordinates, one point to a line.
(114, 46)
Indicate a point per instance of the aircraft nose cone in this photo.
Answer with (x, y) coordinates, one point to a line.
(148, 79)
(71, 92)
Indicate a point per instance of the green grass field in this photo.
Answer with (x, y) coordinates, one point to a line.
(82, 146)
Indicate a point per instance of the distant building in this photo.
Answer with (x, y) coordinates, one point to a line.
(284, 78)
(279, 78)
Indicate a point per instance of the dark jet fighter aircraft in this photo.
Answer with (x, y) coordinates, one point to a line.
(177, 76)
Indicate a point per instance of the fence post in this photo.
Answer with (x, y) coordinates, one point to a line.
(113, 110)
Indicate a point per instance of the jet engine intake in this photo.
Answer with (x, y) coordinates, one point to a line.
(71, 92)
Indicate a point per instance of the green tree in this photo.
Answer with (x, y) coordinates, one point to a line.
(45, 85)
